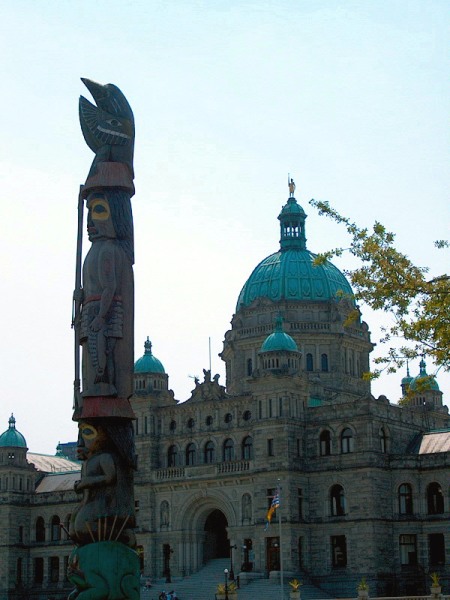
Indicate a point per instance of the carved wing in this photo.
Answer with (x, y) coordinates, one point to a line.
(100, 127)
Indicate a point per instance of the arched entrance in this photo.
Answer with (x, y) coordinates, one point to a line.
(216, 540)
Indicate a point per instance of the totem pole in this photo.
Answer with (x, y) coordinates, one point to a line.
(104, 564)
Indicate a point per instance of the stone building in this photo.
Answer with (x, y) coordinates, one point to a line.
(363, 484)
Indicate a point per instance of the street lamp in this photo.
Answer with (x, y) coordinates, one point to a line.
(225, 572)
(231, 561)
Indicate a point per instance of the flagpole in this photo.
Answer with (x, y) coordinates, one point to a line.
(281, 552)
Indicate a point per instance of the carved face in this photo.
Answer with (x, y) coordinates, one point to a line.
(99, 222)
(90, 440)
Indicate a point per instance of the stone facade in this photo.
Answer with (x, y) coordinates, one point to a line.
(363, 482)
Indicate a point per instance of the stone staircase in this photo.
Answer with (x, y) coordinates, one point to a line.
(203, 584)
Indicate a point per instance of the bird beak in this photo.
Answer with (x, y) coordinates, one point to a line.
(97, 90)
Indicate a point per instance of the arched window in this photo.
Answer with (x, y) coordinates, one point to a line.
(172, 456)
(309, 362)
(40, 529)
(337, 501)
(325, 443)
(228, 450)
(247, 448)
(405, 501)
(435, 499)
(208, 453)
(190, 454)
(324, 362)
(383, 441)
(56, 529)
(347, 441)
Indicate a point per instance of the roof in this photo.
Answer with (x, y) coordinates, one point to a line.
(57, 482)
(52, 464)
(148, 363)
(279, 340)
(292, 273)
(434, 442)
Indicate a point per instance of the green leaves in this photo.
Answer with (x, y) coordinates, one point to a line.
(387, 280)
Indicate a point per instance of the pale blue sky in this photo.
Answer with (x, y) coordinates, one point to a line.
(350, 97)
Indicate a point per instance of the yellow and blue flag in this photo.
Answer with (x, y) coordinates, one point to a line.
(273, 507)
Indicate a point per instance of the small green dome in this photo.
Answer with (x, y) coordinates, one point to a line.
(278, 340)
(148, 363)
(11, 438)
(429, 382)
(290, 273)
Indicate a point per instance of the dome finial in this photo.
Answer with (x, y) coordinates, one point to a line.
(148, 346)
(291, 186)
(12, 421)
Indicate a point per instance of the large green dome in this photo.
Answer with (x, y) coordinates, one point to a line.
(290, 273)
(148, 363)
(11, 438)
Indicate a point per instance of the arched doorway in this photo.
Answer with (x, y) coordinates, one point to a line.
(216, 540)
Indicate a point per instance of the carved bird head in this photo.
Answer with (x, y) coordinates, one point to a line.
(111, 122)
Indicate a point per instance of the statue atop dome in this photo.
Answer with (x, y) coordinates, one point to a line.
(291, 186)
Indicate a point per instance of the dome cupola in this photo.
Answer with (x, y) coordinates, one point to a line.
(12, 438)
(423, 380)
(148, 363)
(279, 352)
(291, 273)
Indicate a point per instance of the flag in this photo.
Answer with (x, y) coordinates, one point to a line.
(273, 506)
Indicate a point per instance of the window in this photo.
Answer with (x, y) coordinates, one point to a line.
(228, 450)
(309, 362)
(209, 420)
(38, 570)
(249, 367)
(383, 441)
(20, 533)
(338, 551)
(173, 425)
(247, 448)
(300, 503)
(270, 450)
(408, 550)
(54, 569)
(19, 571)
(164, 513)
(324, 362)
(190, 454)
(337, 501)
(191, 423)
(347, 441)
(209, 453)
(40, 529)
(325, 443)
(228, 418)
(270, 408)
(435, 499)
(247, 415)
(172, 456)
(246, 506)
(56, 529)
(436, 548)
(405, 503)
(299, 447)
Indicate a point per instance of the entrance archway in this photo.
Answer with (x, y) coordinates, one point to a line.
(216, 540)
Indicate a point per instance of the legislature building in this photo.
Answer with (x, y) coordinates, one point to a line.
(363, 483)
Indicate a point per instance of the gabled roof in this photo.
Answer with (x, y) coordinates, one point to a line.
(52, 464)
(433, 442)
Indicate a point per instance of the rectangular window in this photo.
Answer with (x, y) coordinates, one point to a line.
(20, 533)
(38, 570)
(408, 549)
(146, 424)
(260, 409)
(299, 447)
(54, 569)
(137, 426)
(270, 408)
(338, 551)
(280, 407)
(300, 503)
(270, 450)
(300, 553)
(436, 548)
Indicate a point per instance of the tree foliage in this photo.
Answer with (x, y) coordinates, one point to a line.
(387, 280)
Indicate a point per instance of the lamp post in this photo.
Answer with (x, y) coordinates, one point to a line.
(231, 562)
(225, 572)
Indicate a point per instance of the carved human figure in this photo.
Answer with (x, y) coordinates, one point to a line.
(106, 511)
(106, 325)
(291, 187)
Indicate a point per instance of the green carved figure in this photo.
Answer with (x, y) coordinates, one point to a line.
(104, 571)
